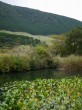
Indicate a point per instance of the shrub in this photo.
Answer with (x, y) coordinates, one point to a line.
(20, 63)
(13, 63)
(34, 61)
(55, 62)
(41, 51)
(5, 63)
(74, 41)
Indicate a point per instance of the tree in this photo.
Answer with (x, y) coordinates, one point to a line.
(74, 41)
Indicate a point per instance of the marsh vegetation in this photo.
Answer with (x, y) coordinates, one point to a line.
(48, 94)
(41, 93)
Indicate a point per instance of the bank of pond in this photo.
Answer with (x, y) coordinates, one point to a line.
(34, 82)
(20, 63)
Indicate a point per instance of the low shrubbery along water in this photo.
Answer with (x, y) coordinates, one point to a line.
(26, 60)
(33, 61)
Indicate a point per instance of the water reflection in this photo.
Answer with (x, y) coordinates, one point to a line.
(32, 75)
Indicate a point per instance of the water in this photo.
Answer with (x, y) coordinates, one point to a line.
(32, 75)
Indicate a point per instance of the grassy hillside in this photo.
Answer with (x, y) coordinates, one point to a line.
(43, 39)
(15, 18)
(9, 39)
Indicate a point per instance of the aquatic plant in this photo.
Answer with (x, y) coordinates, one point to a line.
(43, 94)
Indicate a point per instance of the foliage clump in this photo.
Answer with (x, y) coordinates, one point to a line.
(69, 43)
(74, 41)
(25, 58)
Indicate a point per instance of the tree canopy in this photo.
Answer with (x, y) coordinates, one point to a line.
(74, 41)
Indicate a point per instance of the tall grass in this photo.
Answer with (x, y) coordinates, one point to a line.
(13, 63)
(25, 59)
(71, 63)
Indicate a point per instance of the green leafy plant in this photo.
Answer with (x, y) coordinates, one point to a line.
(60, 94)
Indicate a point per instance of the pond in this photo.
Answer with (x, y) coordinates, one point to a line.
(41, 92)
(37, 74)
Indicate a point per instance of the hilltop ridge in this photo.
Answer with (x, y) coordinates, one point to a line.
(15, 18)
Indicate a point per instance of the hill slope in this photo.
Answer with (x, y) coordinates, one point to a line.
(11, 39)
(16, 18)
(38, 39)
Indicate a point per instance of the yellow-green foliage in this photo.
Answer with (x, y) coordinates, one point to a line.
(46, 57)
(58, 43)
(26, 58)
(5, 63)
(13, 63)
(61, 37)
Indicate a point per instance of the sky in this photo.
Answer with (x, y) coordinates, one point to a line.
(69, 8)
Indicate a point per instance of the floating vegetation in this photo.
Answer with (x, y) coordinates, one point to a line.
(43, 94)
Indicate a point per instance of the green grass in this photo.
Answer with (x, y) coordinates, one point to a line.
(47, 39)
(60, 37)
(51, 94)
(12, 40)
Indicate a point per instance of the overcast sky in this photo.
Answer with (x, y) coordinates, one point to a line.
(70, 8)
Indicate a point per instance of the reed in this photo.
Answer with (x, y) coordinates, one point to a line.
(71, 63)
